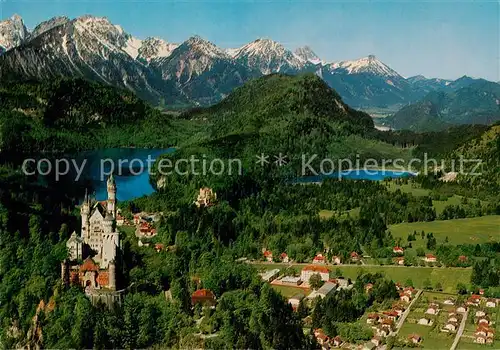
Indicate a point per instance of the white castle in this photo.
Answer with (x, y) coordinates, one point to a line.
(98, 244)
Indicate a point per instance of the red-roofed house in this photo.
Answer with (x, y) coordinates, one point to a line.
(268, 255)
(414, 338)
(400, 260)
(398, 250)
(462, 258)
(204, 297)
(284, 257)
(354, 256)
(319, 259)
(430, 258)
(310, 270)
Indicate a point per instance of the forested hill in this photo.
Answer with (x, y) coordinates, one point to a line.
(477, 103)
(282, 100)
(67, 114)
(485, 148)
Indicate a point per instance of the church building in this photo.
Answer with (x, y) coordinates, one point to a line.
(92, 255)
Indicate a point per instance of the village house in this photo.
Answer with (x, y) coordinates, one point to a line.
(310, 270)
(404, 297)
(480, 339)
(284, 258)
(414, 338)
(392, 315)
(205, 297)
(295, 301)
(382, 331)
(449, 302)
(336, 260)
(453, 318)
(398, 309)
(425, 321)
(120, 220)
(321, 337)
(432, 310)
(409, 291)
(484, 320)
(319, 259)
(399, 260)
(372, 318)
(480, 313)
(398, 250)
(268, 255)
(450, 327)
(491, 303)
(368, 287)
(474, 300)
(354, 256)
(485, 331)
(461, 309)
(159, 247)
(462, 258)
(430, 258)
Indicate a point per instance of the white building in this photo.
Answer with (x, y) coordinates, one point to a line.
(310, 270)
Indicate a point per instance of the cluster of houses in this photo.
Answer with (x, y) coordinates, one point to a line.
(319, 259)
(144, 225)
(325, 341)
(484, 334)
(383, 323)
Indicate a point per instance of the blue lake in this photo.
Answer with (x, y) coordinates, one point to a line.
(133, 183)
(131, 175)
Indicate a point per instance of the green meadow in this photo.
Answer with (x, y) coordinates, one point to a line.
(459, 231)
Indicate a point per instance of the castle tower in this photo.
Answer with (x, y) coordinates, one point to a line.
(111, 185)
(112, 275)
(85, 214)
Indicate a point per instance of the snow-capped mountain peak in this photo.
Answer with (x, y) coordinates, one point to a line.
(308, 55)
(48, 25)
(12, 33)
(369, 64)
(153, 48)
(204, 47)
(268, 56)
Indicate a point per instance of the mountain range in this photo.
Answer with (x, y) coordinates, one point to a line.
(195, 72)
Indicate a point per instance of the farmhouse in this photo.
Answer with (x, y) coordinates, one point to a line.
(432, 310)
(491, 303)
(310, 270)
(424, 321)
(450, 327)
(449, 302)
(392, 315)
(484, 320)
(354, 256)
(336, 260)
(268, 255)
(398, 250)
(404, 297)
(204, 297)
(462, 258)
(319, 259)
(284, 257)
(480, 313)
(414, 338)
(399, 260)
(337, 341)
(430, 258)
(461, 309)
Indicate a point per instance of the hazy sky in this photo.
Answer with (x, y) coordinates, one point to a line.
(445, 39)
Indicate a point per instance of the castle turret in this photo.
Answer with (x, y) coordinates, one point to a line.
(85, 214)
(112, 275)
(111, 186)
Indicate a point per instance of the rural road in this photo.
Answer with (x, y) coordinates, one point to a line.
(407, 311)
(354, 265)
(460, 331)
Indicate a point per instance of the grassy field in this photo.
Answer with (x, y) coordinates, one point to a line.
(289, 292)
(459, 231)
(448, 277)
